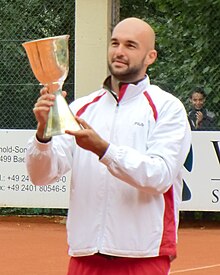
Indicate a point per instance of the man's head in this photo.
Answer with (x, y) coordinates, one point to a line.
(131, 50)
(197, 98)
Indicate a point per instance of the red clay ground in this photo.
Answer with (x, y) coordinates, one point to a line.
(37, 246)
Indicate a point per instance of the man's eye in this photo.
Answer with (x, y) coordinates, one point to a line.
(132, 46)
(114, 44)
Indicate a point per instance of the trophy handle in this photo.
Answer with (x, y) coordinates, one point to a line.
(60, 117)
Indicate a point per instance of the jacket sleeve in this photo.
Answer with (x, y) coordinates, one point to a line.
(155, 170)
(47, 162)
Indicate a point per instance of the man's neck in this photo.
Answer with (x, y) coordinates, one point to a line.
(116, 84)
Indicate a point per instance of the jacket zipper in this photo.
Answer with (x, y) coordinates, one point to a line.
(106, 192)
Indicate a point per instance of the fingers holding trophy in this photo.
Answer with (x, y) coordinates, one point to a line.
(49, 61)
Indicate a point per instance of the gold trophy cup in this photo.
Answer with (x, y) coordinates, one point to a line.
(49, 60)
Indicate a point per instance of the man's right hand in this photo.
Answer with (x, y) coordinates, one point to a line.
(41, 110)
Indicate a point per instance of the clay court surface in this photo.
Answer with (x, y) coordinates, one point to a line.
(37, 246)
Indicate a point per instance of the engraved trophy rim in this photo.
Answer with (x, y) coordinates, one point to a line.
(47, 38)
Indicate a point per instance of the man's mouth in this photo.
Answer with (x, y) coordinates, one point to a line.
(119, 61)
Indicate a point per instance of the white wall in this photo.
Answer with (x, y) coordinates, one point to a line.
(92, 32)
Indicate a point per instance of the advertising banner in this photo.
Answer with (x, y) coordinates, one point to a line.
(202, 183)
(201, 175)
(16, 189)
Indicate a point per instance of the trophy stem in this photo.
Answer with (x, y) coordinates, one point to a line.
(60, 117)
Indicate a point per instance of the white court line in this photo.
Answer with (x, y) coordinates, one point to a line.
(193, 269)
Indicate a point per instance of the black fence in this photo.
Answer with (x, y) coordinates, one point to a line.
(23, 21)
(187, 43)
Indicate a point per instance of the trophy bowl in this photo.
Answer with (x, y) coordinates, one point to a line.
(49, 61)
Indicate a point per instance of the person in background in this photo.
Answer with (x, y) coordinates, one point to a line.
(126, 164)
(200, 118)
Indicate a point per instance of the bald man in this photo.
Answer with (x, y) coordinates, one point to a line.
(126, 164)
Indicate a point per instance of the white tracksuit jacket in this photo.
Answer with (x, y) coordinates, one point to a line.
(125, 204)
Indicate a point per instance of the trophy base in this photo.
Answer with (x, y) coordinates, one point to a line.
(60, 118)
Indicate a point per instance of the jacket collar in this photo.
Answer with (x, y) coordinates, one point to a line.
(127, 90)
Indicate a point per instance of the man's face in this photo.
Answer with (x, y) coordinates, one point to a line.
(197, 100)
(126, 57)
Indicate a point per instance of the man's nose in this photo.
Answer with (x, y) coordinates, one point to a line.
(119, 51)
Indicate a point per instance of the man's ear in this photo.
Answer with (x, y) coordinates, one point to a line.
(150, 57)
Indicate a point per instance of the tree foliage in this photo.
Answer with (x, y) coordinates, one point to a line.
(187, 34)
(187, 42)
